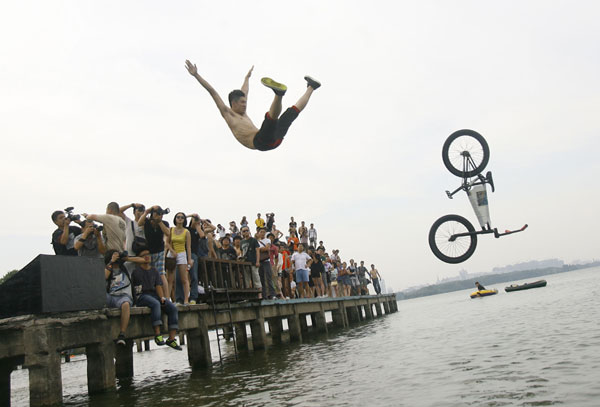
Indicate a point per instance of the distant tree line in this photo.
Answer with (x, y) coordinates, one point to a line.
(489, 279)
(7, 276)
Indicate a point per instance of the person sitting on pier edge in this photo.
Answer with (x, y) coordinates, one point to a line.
(479, 286)
(155, 230)
(148, 289)
(301, 263)
(118, 288)
(249, 247)
(375, 276)
(90, 243)
(63, 238)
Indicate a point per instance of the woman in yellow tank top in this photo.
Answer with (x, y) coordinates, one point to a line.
(180, 242)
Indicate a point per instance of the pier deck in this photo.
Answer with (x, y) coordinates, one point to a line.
(35, 341)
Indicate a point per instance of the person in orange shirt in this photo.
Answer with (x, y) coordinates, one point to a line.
(286, 270)
(293, 242)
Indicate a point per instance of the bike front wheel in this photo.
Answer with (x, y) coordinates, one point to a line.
(465, 153)
(455, 251)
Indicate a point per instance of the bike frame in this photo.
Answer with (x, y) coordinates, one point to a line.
(467, 185)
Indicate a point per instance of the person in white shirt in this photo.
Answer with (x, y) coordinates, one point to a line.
(133, 229)
(301, 263)
(312, 235)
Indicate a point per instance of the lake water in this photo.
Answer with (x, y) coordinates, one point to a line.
(529, 348)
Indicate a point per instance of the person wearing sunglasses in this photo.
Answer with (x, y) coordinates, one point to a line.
(180, 241)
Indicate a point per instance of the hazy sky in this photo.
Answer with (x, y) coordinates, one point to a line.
(96, 106)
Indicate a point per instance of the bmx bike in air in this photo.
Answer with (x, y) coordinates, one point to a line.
(452, 238)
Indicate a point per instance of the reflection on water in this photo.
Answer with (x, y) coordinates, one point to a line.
(527, 348)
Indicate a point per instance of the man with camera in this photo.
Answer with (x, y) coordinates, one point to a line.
(63, 238)
(114, 226)
(133, 230)
(90, 243)
(155, 230)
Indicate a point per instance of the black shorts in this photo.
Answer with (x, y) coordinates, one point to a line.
(272, 132)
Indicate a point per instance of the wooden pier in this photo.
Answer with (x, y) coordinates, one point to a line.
(35, 341)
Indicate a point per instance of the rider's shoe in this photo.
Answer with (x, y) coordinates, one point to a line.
(312, 82)
(158, 339)
(278, 88)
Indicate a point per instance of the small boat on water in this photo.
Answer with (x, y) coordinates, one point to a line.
(483, 293)
(526, 286)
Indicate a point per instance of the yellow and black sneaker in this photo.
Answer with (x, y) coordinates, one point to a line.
(158, 339)
(278, 88)
(172, 343)
(312, 82)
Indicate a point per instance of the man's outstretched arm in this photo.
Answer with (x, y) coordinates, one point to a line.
(194, 72)
(245, 86)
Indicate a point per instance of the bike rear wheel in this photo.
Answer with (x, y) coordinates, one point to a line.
(455, 251)
(465, 153)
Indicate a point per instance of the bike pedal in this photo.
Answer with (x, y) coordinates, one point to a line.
(449, 194)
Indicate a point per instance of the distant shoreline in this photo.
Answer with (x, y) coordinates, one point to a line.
(459, 285)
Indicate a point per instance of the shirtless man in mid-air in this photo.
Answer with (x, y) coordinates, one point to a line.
(273, 129)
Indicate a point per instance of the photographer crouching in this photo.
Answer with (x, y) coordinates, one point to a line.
(90, 243)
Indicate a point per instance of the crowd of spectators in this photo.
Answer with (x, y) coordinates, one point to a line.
(151, 263)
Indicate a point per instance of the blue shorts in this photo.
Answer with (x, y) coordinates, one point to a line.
(301, 276)
(116, 301)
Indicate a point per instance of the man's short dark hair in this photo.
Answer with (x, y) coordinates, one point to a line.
(235, 95)
(237, 237)
(56, 214)
(114, 207)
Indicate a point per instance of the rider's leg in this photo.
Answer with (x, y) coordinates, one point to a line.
(275, 109)
(301, 103)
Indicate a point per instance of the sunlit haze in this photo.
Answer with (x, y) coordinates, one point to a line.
(97, 107)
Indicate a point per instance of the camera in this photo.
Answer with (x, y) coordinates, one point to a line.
(161, 211)
(138, 207)
(99, 228)
(71, 215)
(123, 255)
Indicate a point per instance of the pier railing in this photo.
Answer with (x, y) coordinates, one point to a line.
(235, 277)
